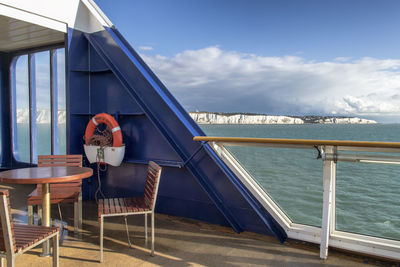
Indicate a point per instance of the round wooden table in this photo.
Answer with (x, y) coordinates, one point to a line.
(45, 176)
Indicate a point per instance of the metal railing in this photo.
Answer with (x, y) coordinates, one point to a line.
(330, 152)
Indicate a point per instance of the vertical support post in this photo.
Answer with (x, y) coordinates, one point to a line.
(46, 215)
(53, 103)
(39, 214)
(80, 210)
(333, 199)
(145, 227)
(32, 107)
(329, 173)
(30, 214)
(76, 219)
(152, 232)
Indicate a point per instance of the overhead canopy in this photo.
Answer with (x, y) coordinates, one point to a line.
(17, 34)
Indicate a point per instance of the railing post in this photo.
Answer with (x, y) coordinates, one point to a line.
(329, 176)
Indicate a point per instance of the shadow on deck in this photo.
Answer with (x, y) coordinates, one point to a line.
(179, 242)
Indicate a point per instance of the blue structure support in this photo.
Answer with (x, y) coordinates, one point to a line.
(113, 60)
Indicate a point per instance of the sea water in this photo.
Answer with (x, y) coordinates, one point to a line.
(367, 195)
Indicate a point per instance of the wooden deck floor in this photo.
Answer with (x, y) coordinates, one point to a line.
(179, 242)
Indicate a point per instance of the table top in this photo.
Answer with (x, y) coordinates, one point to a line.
(42, 175)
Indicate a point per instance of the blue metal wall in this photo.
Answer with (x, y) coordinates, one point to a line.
(6, 158)
(106, 75)
(4, 111)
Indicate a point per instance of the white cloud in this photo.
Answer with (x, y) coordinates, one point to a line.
(145, 48)
(216, 80)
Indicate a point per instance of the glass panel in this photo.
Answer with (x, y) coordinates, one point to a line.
(43, 103)
(21, 125)
(61, 101)
(291, 177)
(367, 199)
(366, 194)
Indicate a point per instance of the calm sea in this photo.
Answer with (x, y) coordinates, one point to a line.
(367, 195)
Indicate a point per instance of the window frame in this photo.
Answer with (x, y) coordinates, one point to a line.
(52, 50)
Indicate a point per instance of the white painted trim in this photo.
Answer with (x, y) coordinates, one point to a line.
(97, 13)
(19, 14)
(366, 244)
(353, 242)
(369, 149)
(306, 233)
(329, 167)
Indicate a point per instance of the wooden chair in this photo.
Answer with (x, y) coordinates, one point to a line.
(132, 206)
(59, 192)
(15, 239)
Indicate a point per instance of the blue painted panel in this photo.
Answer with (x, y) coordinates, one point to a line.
(76, 132)
(179, 194)
(96, 62)
(202, 211)
(205, 189)
(78, 51)
(79, 93)
(107, 94)
(143, 140)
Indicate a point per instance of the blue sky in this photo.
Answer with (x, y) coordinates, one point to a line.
(278, 57)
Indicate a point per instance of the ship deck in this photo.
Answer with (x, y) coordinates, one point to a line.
(179, 242)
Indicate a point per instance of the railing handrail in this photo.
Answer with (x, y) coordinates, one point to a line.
(310, 142)
(326, 235)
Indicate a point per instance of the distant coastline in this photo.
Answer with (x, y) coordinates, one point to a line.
(245, 118)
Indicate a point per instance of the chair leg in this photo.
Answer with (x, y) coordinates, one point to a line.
(101, 237)
(30, 214)
(152, 233)
(127, 232)
(59, 211)
(2, 262)
(145, 227)
(56, 262)
(76, 215)
(39, 213)
(80, 211)
(11, 261)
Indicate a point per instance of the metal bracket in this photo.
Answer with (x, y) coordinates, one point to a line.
(319, 156)
(335, 154)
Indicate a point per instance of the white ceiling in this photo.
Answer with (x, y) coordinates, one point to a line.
(16, 35)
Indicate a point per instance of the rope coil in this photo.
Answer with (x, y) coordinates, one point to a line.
(102, 139)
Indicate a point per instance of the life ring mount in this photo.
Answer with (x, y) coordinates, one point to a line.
(110, 122)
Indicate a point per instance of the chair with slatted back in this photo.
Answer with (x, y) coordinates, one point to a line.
(15, 239)
(59, 192)
(133, 206)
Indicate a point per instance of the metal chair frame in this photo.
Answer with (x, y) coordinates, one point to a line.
(152, 167)
(10, 240)
(53, 161)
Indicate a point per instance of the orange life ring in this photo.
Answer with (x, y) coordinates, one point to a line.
(111, 122)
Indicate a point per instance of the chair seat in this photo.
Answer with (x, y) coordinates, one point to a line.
(57, 195)
(122, 205)
(27, 235)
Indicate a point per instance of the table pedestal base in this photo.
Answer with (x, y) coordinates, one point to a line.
(46, 216)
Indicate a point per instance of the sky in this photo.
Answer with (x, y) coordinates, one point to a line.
(278, 57)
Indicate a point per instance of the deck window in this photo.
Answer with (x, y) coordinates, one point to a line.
(38, 104)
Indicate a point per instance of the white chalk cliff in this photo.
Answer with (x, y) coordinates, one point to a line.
(221, 118)
(42, 116)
